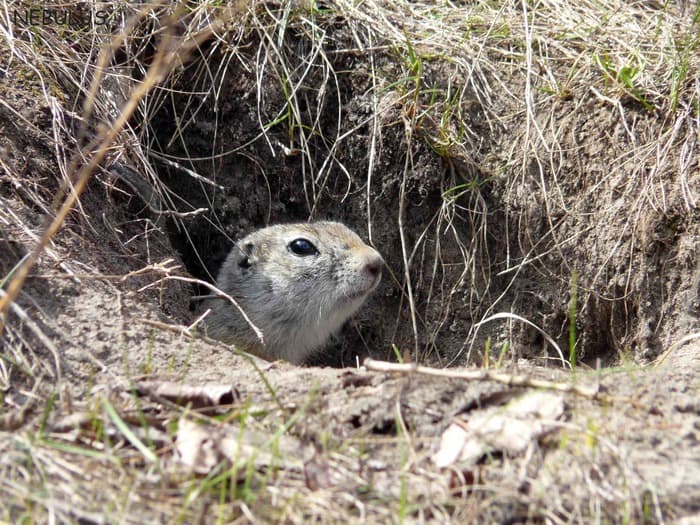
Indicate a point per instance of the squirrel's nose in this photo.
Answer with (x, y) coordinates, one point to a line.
(374, 265)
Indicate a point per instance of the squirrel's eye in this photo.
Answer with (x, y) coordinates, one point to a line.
(302, 247)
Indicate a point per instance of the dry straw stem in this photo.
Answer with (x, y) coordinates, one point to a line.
(511, 380)
(216, 293)
(675, 346)
(171, 52)
(40, 335)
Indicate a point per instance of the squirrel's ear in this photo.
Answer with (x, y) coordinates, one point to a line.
(246, 252)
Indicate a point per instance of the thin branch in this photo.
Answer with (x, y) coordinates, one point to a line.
(488, 375)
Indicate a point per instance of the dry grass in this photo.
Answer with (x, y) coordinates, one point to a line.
(500, 92)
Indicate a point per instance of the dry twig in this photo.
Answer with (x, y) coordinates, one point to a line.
(512, 380)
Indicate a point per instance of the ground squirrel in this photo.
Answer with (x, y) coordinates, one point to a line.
(297, 283)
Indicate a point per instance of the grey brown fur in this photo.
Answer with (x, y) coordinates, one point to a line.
(297, 301)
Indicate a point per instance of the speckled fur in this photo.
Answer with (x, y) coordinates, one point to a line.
(297, 302)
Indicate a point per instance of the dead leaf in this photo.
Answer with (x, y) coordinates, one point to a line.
(207, 395)
(509, 429)
(200, 448)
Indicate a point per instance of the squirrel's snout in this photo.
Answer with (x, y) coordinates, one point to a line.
(374, 265)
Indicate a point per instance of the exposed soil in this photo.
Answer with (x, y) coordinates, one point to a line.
(510, 198)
